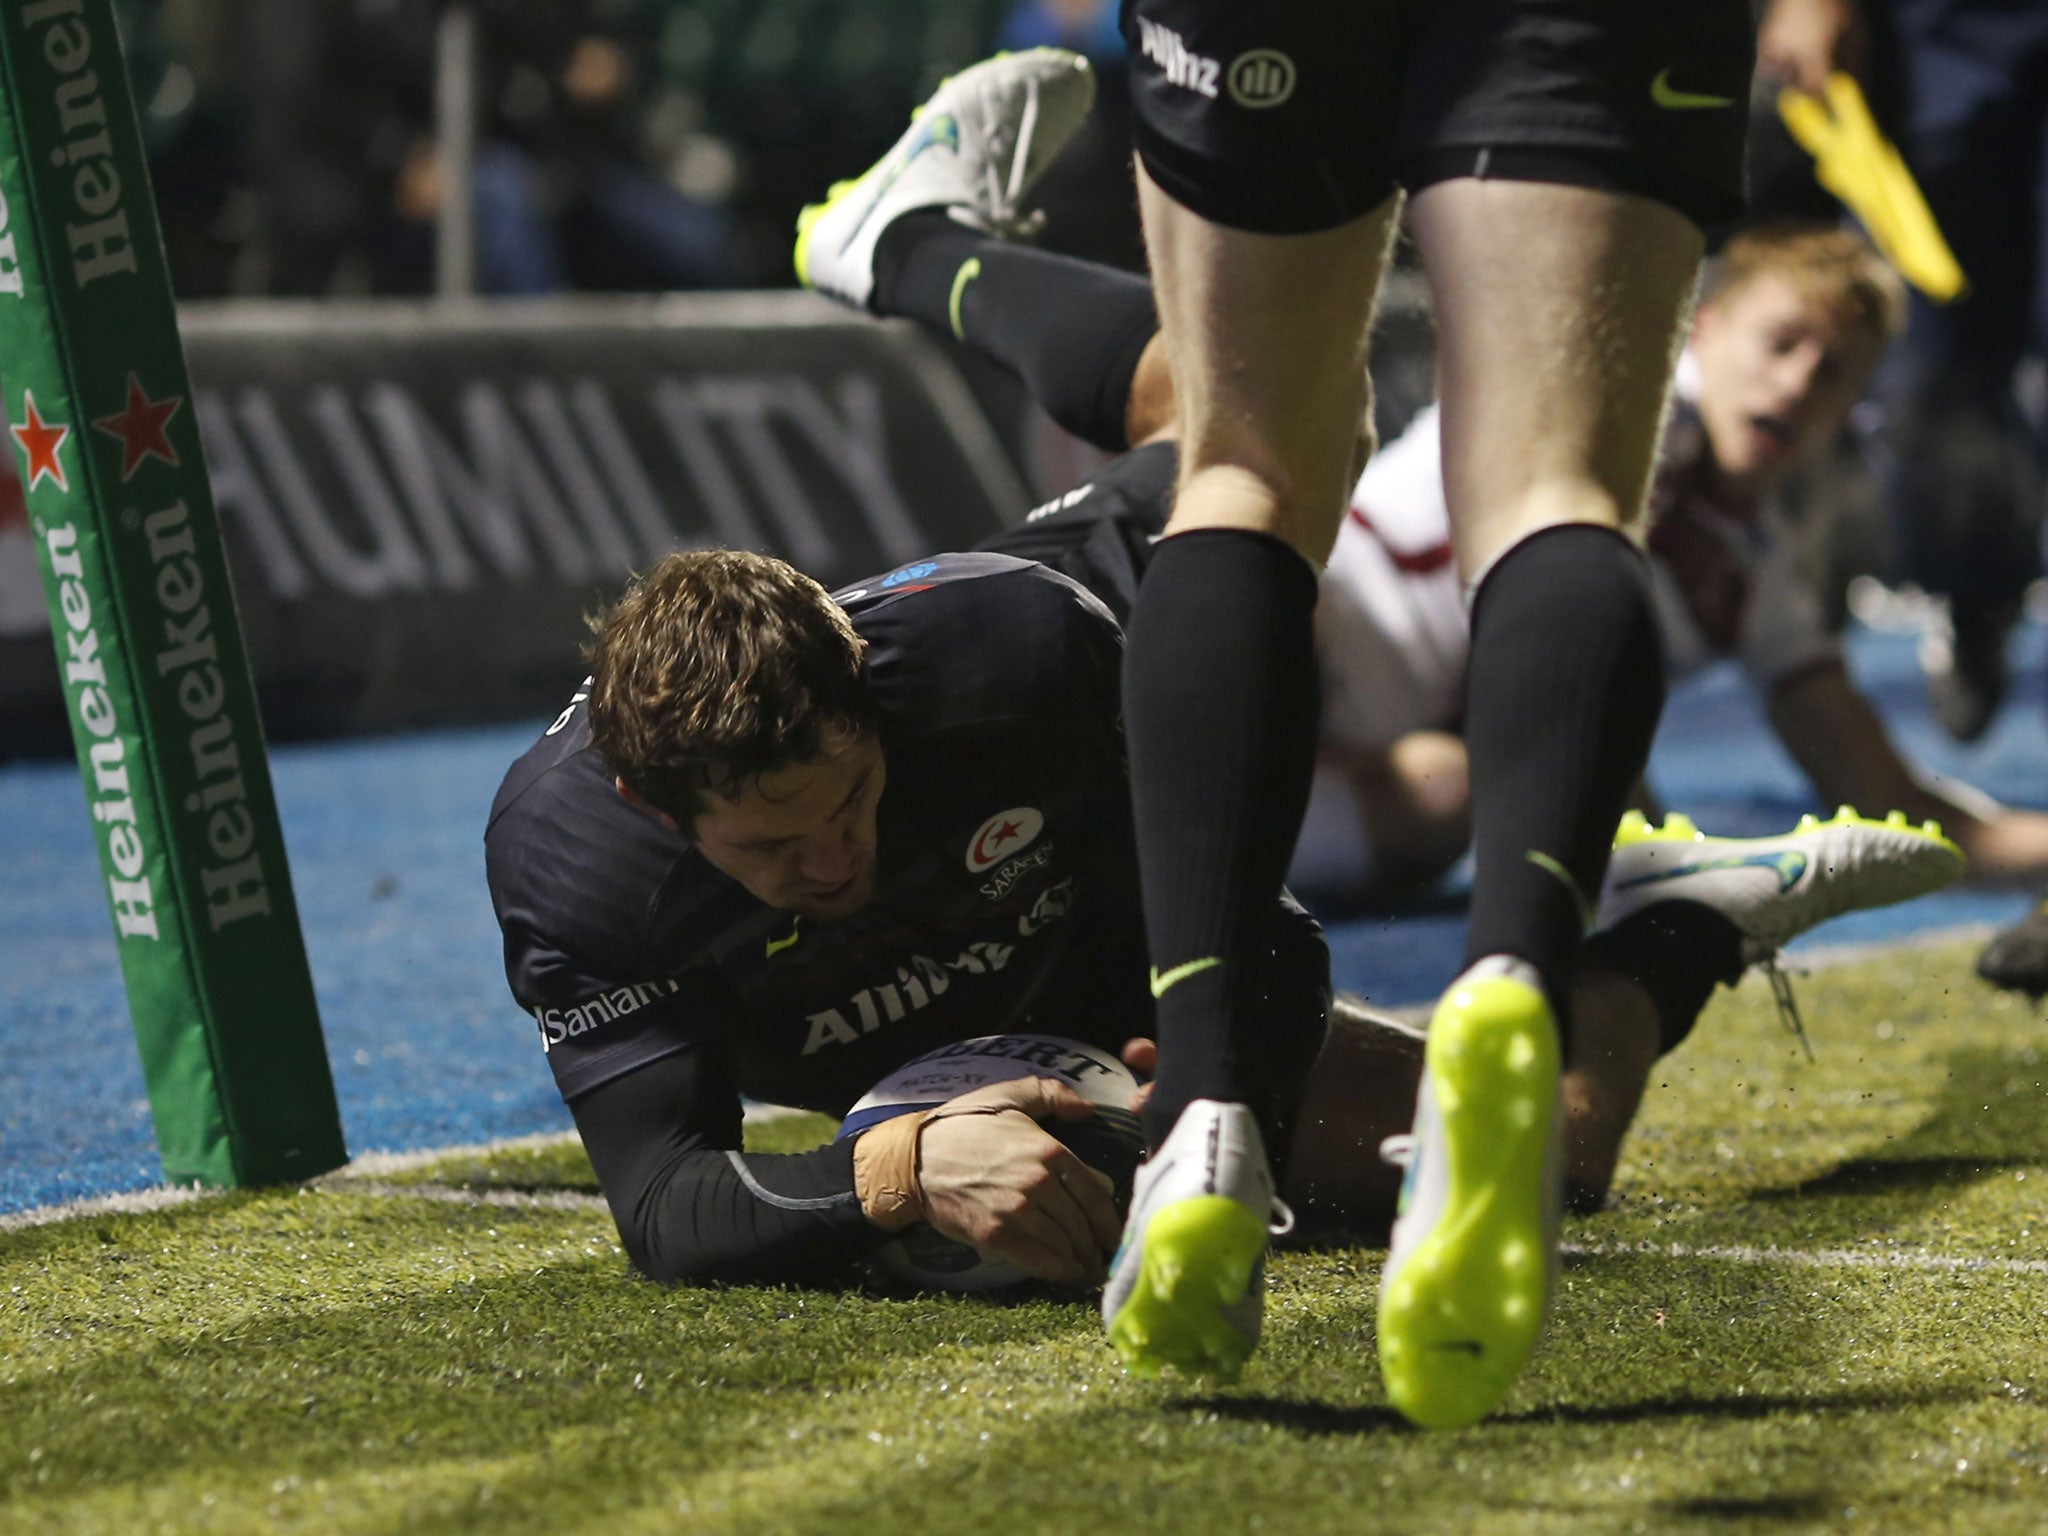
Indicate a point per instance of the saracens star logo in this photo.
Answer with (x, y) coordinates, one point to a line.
(41, 440)
(1001, 835)
(140, 427)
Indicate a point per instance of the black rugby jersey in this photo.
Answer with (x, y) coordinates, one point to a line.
(1005, 894)
(1006, 899)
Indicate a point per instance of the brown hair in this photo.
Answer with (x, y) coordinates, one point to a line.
(1828, 261)
(718, 666)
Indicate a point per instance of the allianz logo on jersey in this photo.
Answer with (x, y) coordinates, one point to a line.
(559, 1024)
(917, 982)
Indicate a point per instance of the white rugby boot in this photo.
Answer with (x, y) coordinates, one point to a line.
(1187, 1286)
(973, 151)
(1775, 888)
(1473, 1256)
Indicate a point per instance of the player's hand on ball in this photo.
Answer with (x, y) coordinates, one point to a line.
(999, 1181)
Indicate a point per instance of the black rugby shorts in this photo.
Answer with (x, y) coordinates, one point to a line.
(1291, 116)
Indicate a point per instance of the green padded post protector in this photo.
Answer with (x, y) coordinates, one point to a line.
(99, 417)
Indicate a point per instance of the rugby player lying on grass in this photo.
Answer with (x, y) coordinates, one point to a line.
(782, 842)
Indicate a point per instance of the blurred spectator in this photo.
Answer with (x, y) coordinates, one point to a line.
(568, 176)
(623, 144)
(1089, 198)
(1964, 487)
(343, 155)
(1798, 43)
(1961, 452)
(340, 98)
(182, 71)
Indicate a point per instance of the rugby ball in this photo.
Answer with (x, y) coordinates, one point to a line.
(1109, 1140)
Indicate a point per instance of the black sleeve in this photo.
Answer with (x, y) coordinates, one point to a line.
(690, 1207)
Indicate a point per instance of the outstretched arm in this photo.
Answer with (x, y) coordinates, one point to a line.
(1838, 739)
(692, 1208)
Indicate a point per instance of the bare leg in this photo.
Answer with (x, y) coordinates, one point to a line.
(1382, 822)
(1268, 338)
(1614, 1045)
(1363, 1090)
(1559, 316)
(1152, 411)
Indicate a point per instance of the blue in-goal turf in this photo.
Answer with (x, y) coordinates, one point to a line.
(386, 844)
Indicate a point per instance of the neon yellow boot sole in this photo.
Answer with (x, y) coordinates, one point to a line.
(1198, 1261)
(1461, 1314)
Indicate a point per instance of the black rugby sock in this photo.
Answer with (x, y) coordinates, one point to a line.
(1562, 696)
(1677, 952)
(1220, 706)
(1071, 330)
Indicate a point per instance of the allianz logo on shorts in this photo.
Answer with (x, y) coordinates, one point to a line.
(1169, 50)
(1258, 78)
(1261, 78)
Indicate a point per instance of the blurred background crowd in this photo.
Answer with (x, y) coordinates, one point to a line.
(661, 145)
(621, 145)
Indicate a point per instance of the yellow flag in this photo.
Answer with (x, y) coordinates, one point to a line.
(1862, 168)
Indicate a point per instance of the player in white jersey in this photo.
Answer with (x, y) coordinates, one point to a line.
(1782, 347)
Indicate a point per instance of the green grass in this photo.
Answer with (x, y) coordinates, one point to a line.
(332, 1360)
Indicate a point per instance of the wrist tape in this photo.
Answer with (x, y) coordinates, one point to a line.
(886, 1166)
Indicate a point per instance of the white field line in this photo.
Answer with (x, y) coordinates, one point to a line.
(371, 1165)
(161, 1198)
(450, 1194)
(1821, 1258)
(356, 1176)
(360, 1179)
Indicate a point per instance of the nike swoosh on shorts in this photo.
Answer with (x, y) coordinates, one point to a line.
(1669, 97)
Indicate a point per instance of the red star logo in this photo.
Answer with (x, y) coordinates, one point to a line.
(40, 440)
(141, 428)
